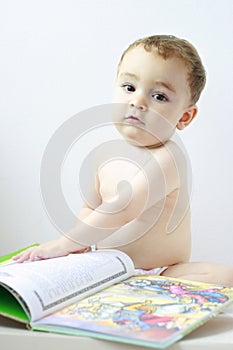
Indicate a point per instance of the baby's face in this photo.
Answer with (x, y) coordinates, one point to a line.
(152, 95)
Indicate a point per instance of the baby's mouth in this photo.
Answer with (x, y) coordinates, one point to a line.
(131, 119)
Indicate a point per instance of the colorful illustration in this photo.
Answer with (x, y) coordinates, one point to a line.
(148, 309)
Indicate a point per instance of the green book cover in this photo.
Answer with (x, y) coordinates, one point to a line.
(9, 304)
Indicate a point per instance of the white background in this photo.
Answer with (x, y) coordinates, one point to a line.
(58, 58)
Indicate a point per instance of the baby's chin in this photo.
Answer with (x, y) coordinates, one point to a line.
(140, 137)
(146, 144)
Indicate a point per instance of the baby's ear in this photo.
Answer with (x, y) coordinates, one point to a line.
(187, 117)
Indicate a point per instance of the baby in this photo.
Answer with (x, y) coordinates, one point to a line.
(159, 81)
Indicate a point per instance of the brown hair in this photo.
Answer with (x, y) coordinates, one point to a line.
(171, 46)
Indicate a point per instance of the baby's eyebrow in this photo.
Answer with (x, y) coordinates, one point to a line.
(131, 75)
(166, 85)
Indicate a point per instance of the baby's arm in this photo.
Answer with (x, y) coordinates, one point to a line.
(93, 225)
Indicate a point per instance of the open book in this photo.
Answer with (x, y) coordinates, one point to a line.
(95, 294)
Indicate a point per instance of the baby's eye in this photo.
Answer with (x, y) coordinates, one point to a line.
(128, 87)
(160, 97)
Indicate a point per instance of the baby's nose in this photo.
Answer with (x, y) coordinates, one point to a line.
(139, 102)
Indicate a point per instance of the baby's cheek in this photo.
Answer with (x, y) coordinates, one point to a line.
(119, 111)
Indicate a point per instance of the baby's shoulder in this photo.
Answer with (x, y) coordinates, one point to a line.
(170, 153)
(173, 163)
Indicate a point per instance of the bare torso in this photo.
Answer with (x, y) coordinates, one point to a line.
(160, 235)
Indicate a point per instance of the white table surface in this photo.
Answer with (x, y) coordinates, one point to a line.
(216, 334)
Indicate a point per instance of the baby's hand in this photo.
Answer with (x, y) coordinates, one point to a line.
(52, 249)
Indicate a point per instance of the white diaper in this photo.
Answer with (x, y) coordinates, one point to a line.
(156, 272)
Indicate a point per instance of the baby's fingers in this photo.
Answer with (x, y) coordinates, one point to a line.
(28, 254)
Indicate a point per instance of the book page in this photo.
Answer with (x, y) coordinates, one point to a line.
(48, 285)
(153, 311)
